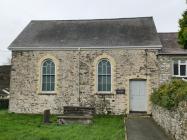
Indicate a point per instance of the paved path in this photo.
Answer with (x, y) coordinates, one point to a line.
(144, 129)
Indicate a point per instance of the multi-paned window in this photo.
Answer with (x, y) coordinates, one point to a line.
(104, 76)
(179, 68)
(48, 75)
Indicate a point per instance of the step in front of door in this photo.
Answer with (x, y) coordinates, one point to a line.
(135, 114)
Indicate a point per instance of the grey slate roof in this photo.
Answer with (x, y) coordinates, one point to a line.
(104, 33)
(170, 44)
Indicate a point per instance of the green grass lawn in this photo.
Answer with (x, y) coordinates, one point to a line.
(30, 127)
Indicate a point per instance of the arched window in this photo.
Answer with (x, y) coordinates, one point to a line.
(104, 76)
(48, 75)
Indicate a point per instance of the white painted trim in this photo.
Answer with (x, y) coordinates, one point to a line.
(4, 90)
(51, 48)
(179, 63)
(184, 79)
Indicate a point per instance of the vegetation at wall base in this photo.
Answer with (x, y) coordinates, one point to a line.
(170, 94)
(4, 103)
(30, 127)
(182, 35)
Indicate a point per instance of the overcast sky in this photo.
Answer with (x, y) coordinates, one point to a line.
(16, 14)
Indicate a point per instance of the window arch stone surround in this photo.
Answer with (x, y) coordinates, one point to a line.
(39, 74)
(113, 73)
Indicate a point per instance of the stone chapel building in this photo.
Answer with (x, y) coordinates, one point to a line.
(110, 64)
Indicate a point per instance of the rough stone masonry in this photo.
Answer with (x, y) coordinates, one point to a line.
(76, 83)
(174, 122)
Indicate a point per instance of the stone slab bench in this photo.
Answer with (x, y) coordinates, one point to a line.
(76, 114)
(77, 110)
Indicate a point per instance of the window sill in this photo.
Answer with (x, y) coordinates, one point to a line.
(49, 93)
(179, 76)
(104, 93)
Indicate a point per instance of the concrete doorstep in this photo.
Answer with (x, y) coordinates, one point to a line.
(143, 128)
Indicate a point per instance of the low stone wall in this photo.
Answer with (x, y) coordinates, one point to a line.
(174, 122)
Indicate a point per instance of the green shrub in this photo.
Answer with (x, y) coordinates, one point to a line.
(170, 94)
(182, 35)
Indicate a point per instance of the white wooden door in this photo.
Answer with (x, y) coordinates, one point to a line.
(138, 97)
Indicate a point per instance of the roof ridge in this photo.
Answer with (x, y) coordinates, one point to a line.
(96, 19)
(167, 32)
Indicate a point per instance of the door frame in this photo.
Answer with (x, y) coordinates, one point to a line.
(148, 91)
(130, 92)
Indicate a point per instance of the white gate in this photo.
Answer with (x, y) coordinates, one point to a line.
(138, 97)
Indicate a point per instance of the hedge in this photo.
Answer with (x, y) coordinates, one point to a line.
(170, 94)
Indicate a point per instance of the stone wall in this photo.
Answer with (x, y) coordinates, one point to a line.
(174, 122)
(165, 66)
(76, 79)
